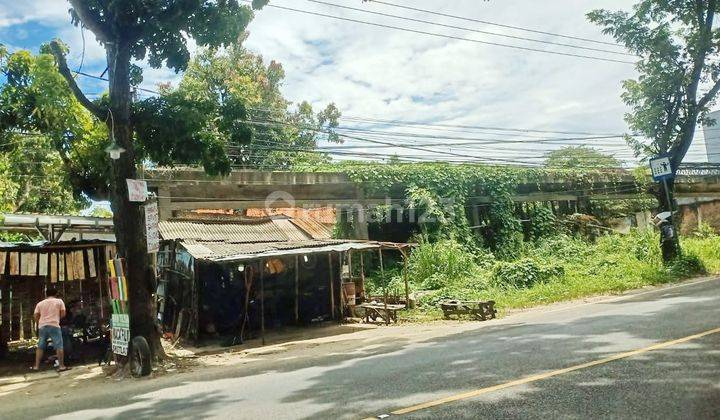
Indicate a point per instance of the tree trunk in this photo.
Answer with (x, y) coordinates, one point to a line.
(669, 243)
(127, 216)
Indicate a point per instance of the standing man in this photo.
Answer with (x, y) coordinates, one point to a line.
(47, 315)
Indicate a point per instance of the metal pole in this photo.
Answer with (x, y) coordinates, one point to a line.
(405, 278)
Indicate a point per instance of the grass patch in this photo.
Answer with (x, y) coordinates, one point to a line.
(550, 270)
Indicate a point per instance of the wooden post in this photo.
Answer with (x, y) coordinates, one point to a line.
(332, 287)
(262, 301)
(405, 277)
(385, 289)
(349, 258)
(362, 274)
(297, 289)
(5, 318)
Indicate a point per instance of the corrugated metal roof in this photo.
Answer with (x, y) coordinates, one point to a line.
(219, 251)
(315, 229)
(263, 231)
(292, 231)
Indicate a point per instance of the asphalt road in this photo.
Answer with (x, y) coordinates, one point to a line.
(530, 351)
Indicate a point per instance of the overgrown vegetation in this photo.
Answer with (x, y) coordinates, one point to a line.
(550, 269)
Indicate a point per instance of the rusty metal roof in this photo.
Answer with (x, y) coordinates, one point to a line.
(315, 229)
(230, 232)
(291, 231)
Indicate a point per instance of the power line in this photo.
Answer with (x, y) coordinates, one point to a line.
(438, 35)
(540, 41)
(485, 22)
(419, 124)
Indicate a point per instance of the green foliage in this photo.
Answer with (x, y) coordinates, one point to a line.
(706, 248)
(436, 265)
(580, 157)
(101, 212)
(230, 99)
(446, 192)
(543, 222)
(687, 265)
(676, 42)
(158, 29)
(524, 273)
(705, 231)
(68, 152)
(558, 268)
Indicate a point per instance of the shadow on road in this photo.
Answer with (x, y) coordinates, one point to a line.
(379, 376)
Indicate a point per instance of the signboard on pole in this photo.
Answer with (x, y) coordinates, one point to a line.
(661, 168)
(152, 234)
(120, 333)
(137, 190)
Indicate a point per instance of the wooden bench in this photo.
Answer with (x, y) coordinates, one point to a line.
(482, 310)
(388, 312)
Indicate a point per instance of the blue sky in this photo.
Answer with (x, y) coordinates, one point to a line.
(380, 73)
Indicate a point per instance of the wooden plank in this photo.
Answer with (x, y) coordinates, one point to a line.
(43, 264)
(53, 268)
(61, 267)
(3, 256)
(28, 264)
(78, 265)
(14, 263)
(91, 263)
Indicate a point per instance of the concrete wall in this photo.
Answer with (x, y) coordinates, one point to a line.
(692, 214)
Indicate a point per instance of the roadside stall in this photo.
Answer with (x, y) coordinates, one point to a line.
(77, 269)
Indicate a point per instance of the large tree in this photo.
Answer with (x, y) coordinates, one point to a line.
(156, 31)
(282, 135)
(580, 157)
(678, 45)
(37, 117)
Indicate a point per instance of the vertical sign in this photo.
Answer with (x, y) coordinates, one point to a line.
(137, 190)
(151, 227)
(120, 333)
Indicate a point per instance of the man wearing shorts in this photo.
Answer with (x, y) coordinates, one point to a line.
(47, 315)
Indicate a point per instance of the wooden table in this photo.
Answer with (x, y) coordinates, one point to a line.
(481, 310)
(388, 312)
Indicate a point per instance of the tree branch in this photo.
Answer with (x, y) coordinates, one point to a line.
(91, 21)
(67, 75)
(710, 94)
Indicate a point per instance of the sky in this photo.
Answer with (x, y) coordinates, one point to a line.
(380, 73)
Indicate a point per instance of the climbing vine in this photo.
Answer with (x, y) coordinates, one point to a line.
(453, 190)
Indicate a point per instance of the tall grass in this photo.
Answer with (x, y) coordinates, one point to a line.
(554, 269)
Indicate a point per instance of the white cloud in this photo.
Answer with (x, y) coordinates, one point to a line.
(388, 74)
(50, 12)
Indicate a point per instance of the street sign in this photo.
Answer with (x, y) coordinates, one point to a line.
(137, 190)
(661, 168)
(152, 234)
(120, 333)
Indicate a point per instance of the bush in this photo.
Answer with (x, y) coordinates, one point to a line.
(524, 273)
(687, 265)
(436, 265)
(705, 231)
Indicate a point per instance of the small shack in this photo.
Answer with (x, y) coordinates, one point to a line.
(71, 256)
(77, 269)
(237, 276)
